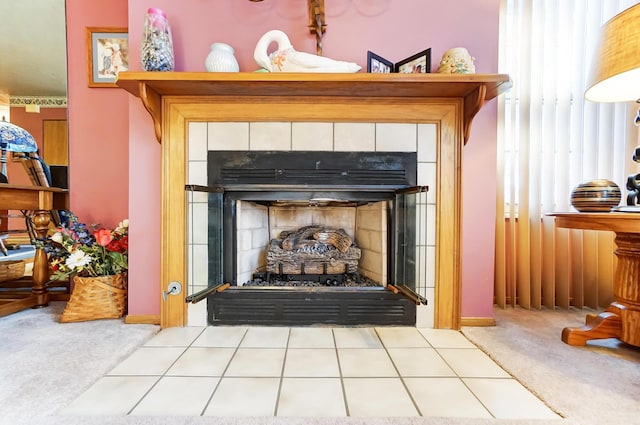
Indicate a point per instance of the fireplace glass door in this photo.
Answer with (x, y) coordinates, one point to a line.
(288, 253)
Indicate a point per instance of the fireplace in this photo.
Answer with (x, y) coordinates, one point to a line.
(280, 111)
(350, 222)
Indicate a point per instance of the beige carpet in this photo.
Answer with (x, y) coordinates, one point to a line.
(595, 384)
(44, 365)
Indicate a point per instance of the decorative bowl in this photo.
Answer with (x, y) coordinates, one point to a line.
(598, 195)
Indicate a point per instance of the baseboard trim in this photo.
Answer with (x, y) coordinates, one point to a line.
(142, 319)
(477, 321)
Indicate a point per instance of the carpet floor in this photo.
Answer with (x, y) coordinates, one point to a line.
(45, 365)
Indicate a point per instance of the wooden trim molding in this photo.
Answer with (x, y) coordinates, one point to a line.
(449, 101)
(477, 321)
(43, 102)
(142, 319)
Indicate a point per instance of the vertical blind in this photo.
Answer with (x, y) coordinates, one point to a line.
(550, 139)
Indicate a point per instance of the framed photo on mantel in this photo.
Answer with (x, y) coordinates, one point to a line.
(420, 63)
(378, 65)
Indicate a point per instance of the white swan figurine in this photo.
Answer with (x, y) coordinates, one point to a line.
(286, 59)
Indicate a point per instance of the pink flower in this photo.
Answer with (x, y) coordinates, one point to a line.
(103, 236)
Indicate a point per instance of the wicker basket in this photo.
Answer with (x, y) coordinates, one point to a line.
(93, 298)
(11, 270)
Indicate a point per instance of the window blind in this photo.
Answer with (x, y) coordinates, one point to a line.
(550, 139)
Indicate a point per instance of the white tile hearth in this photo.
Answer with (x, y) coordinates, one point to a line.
(311, 338)
(230, 397)
(300, 397)
(390, 395)
(240, 371)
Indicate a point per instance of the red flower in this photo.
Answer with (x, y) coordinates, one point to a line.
(119, 245)
(103, 236)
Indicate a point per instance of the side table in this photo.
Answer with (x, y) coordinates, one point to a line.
(621, 319)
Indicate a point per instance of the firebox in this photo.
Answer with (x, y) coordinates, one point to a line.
(313, 237)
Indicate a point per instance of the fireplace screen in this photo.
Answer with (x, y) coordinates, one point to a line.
(312, 237)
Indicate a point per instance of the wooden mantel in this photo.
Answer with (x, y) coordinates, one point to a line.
(175, 99)
(474, 89)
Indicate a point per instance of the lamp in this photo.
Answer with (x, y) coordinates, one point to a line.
(14, 139)
(615, 77)
(616, 74)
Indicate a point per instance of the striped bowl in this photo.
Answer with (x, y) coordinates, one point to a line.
(598, 195)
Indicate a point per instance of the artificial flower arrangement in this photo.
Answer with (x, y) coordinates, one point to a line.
(76, 249)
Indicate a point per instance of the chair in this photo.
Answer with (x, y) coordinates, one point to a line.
(38, 171)
(40, 175)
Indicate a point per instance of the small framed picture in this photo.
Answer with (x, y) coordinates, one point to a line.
(420, 63)
(107, 54)
(378, 65)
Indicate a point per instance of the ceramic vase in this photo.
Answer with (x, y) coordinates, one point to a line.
(598, 195)
(157, 46)
(457, 61)
(221, 59)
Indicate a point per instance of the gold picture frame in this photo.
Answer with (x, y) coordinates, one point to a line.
(107, 54)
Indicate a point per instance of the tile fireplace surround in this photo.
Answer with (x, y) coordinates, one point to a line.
(305, 136)
(430, 114)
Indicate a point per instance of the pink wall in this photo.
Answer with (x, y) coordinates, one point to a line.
(391, 29)
(98, 123)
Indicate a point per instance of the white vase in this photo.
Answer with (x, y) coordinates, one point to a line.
(221, 59)
(457, 61)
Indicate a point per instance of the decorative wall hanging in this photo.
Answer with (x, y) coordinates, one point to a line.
(107, 54)
(317, 23)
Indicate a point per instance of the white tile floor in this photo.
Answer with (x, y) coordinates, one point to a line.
(311, 372)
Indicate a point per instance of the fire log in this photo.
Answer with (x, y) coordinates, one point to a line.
(335, 237)
(294, 240)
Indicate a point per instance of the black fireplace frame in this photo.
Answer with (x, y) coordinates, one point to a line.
(267, 176)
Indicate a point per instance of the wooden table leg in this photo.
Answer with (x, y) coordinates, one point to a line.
(41, 220)
(603, 325)
(622, 318)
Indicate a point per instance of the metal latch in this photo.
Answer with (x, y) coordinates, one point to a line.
(174, 288)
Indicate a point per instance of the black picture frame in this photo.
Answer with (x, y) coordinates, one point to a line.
(378, 65)
(420, 63)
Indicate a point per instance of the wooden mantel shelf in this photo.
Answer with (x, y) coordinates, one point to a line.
(473, 89)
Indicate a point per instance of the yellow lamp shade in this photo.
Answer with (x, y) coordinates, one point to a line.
(616, 70)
